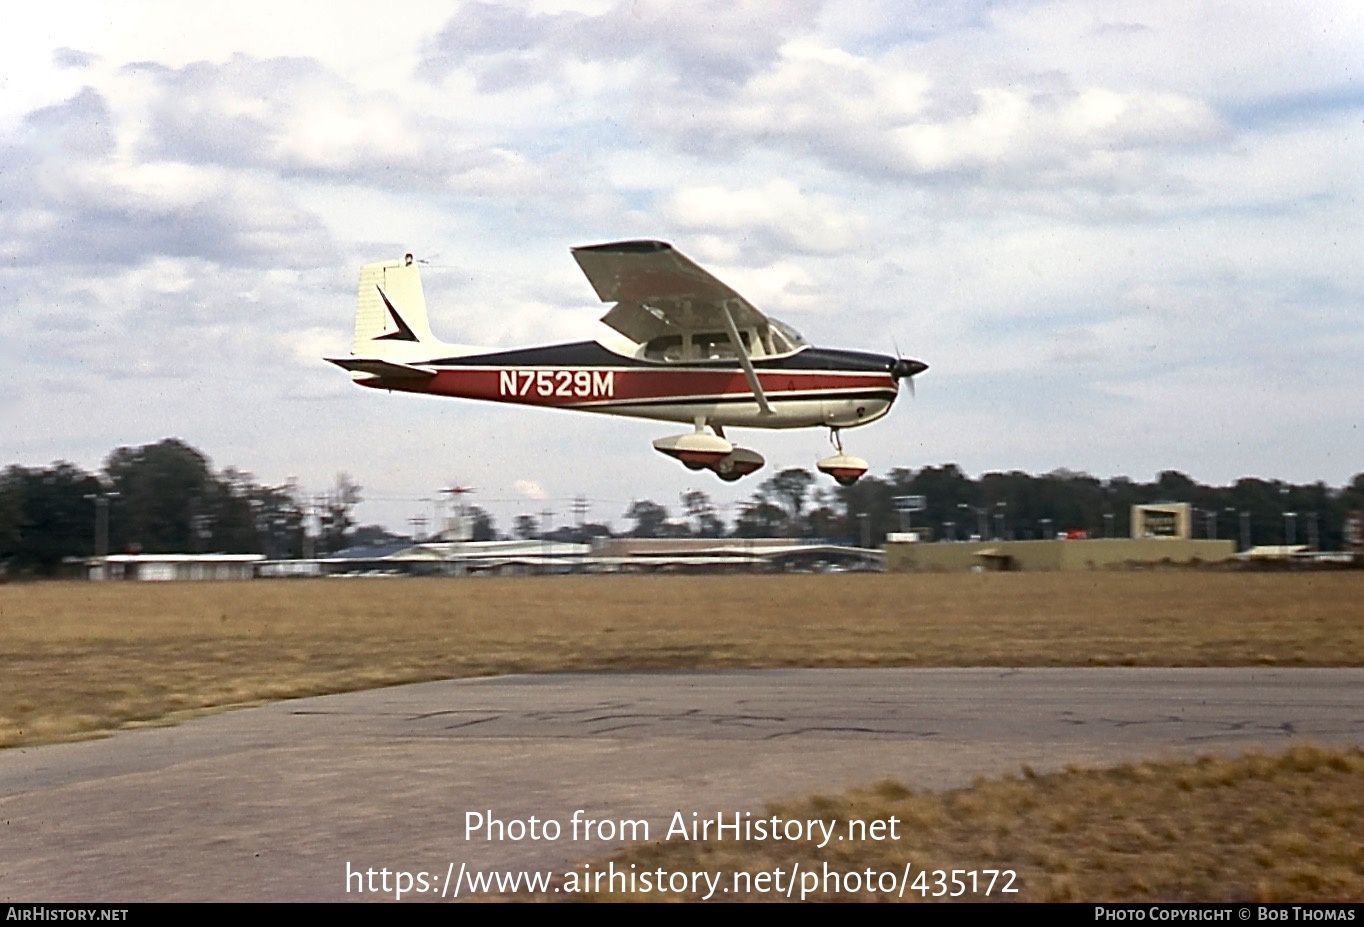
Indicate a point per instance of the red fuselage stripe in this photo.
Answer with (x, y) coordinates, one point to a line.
(569, 387)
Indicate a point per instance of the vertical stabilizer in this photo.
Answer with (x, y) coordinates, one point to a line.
(390, 310)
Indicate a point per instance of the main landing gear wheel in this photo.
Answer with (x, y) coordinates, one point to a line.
(697, 450)
(701, 451)
(738, 464)
(844, 468)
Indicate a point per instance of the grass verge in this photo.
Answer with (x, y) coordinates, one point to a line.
(1284, 827)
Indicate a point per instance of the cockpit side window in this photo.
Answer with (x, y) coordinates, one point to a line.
(717, 346)
(664, 348)
(769, 341)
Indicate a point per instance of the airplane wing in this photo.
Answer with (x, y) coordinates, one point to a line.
(658, 290)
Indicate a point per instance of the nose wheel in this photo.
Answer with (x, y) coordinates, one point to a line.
(844, 468)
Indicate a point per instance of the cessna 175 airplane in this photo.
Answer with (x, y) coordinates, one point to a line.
(703, 355)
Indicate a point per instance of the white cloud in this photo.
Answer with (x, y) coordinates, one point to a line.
(777, 211)
(1236, 53)
(530, 489)
(889, 117)
(1085, 218)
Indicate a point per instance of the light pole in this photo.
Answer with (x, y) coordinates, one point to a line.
(999, 520)
(1289, 528)
(980, 517)
(101, 500)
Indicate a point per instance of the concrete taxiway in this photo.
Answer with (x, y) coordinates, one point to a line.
(275, 803)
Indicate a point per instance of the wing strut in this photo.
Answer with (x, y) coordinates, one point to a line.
(745, 362)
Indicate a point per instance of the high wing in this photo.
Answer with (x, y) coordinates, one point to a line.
(658, 291)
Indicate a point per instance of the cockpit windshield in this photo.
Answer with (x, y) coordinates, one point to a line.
(787, 337)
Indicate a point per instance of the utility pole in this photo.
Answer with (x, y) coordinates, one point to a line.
(456, 527)
(546, 520)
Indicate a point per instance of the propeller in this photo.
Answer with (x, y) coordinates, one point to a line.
(905, 368)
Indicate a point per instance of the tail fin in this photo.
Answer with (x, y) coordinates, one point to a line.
(390, 311)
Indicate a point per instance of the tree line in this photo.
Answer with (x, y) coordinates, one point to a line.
(1010, 506)
(998, 505)
(166, 498)
(162, 498)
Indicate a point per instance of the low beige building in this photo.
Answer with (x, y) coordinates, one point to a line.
(1091, 554)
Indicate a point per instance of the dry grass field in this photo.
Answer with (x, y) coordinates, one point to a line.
(83, 658)
(80, 657)
(1277, 828)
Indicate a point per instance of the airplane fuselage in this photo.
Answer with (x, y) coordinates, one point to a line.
(703, 356)
(808, 387)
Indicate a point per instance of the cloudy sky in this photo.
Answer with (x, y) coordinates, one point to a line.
(1126, 236)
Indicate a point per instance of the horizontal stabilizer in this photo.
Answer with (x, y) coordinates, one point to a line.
(388, 370)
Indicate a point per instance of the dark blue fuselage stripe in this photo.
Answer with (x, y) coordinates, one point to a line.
(590, 354)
